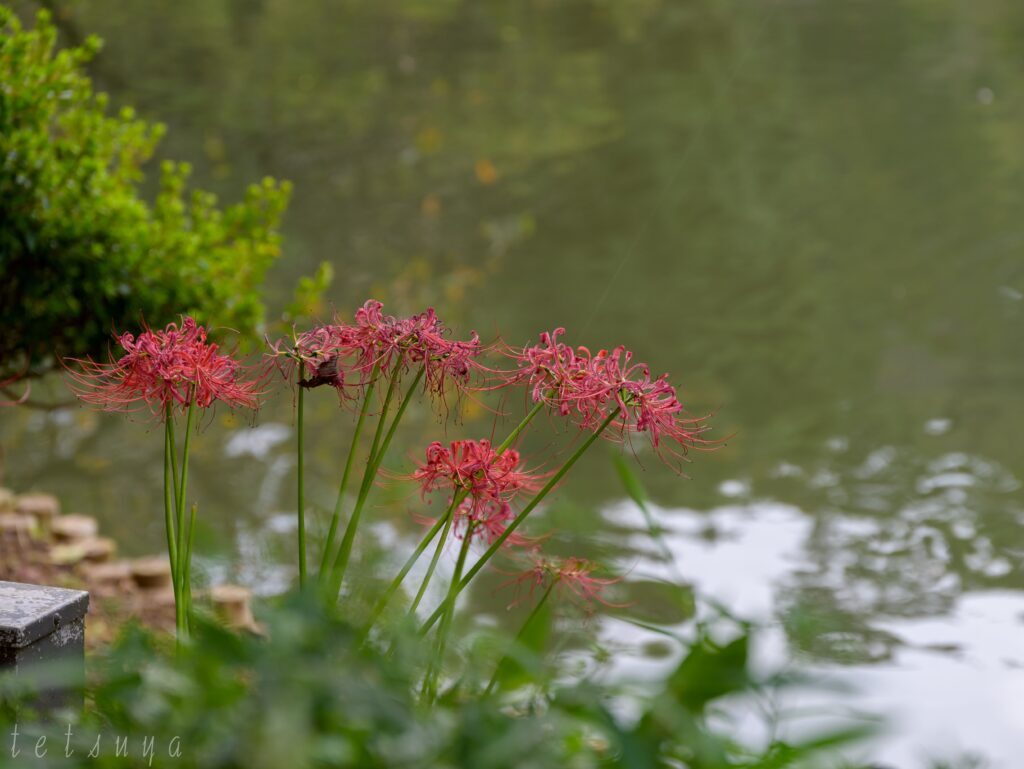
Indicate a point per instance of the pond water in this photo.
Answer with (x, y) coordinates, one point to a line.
(810, 212)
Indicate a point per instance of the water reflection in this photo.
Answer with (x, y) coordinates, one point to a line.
(944, 665)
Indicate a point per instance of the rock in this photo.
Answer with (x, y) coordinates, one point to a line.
(99, 549)
(43, 507)
(67, 554)
(74, 528)
(15, 523)
(152, 573)
(114, 578)
(6, 500)
(232, 604)
(153, 602)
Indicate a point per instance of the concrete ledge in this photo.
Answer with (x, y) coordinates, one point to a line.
(29, 613)
(42, 641)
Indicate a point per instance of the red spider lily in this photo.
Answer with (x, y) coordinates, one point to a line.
(486, 520)
(337, 354)
(572, 576)
(588, 388)
(391, 339)
(655, 409)
(572, 382)
(320, 354)
(476, 469)
(488, 480)
(168, 368)
(422, 339)
(447, 361)
(549, 369)
(343, 355)
(374, 334)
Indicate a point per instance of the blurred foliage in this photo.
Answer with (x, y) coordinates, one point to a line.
(81, 251)
(308, 695)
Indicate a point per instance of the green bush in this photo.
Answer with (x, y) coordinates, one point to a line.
(81, 251)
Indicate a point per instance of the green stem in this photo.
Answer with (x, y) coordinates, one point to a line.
(382, 602)
(180, 612)
(520, 427)
(434, 670)
(398, 417)
(188, 568)
(429, 536)
(174, 456)
(325, 560)
(370, 472)
(301, 476)
(496, 545)
(169, 491)
(448, 519)
(519, 636)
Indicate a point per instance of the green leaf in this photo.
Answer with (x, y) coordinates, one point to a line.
(710, 671)
(523, 663)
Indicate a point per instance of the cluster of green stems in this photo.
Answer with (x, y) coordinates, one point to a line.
(180, 530)
(335, 556)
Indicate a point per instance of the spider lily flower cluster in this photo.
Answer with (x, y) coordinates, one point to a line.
(167, 370)
(346, 355)
(488, 492)
(353, 358)
(171, 371)
(576, 577)
(588, 387)
(377, 364)
(480, 484)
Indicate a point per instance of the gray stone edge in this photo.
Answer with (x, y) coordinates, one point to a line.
(73, 607)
